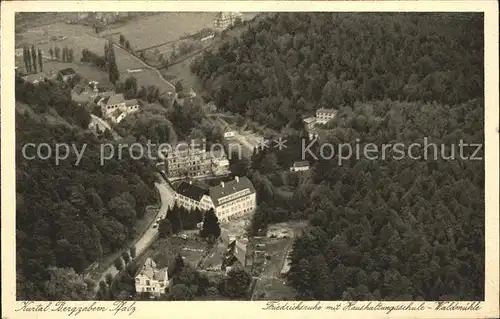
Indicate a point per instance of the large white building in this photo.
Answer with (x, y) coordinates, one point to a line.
(151, 280)
(224, 20)
(230, 199)
(194, 161)
(324, 115)
(116, 107)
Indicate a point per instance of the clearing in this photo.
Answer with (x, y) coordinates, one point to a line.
(161, 28)
(147, 76)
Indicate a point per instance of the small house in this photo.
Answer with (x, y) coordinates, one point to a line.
(300, 166)
(151, 280)
(67, 74)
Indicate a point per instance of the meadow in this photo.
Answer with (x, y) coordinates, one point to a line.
(76, 37)
(126, 61)
(152, 30)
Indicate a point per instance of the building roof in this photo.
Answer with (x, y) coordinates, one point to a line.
(309, 120)
(149, 270)
(131, 102)
(191, 190)
(79, 89)
(67, 71)
(325, 110)
(240, 250)
(301, 164)
(160, 274)
(104, 100)
(37, 76)
(218, 193)
(115, 99)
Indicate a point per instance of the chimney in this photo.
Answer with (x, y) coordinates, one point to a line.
(237, 179)
(190, 182)
(222, 184)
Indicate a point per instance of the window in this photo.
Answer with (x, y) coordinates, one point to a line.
(148, 283)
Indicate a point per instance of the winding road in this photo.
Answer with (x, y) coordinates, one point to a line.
(167, 201)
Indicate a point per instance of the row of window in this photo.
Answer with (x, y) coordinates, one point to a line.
(239, 200)
(191, 203)
(236, 208)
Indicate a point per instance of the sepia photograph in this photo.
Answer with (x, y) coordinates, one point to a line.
(273, 156)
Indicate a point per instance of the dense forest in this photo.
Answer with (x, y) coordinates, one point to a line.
(69, 215)
(394, 228)
(292, 63)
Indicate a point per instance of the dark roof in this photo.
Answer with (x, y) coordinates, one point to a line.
(67, 71)
(192, 190)
(78, 90)
(301, 164)
(231, 187)
(105, 100)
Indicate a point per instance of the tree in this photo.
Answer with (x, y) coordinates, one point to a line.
(33, 58)
(211, 228)
(180, 292)
(133, 252)
(123, 209)
(27, 58)
(109, 54)
(65, 54)
(119, 263)
(130, 88)
(237, 283)
(122, 39)
(126, 257)
(71, 55)
(178, 265)
(178, 86)
(239, 166)
(164, 228)
(108, 279)
(51, 52)
(40, 60)
(57, 52)
(127, 45)
(66, 284)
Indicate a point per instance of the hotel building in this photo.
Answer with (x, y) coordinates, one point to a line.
(229, 200)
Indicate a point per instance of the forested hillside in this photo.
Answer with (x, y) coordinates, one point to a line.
(293, 63)
(69, 215)
(391, 229)
(396, 229)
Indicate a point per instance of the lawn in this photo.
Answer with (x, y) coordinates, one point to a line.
(126, 61)
(76, 38)
(182, 71)
(148, 31)
(273, 289)
(164, 250)
(85, 70)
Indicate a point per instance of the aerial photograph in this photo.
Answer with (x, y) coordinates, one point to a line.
(251, 156)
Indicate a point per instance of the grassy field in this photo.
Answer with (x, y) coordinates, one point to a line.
(168, 26)
(146, 77)
(86, 71)
(273, 289)
(164, 250)
(76, 38)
